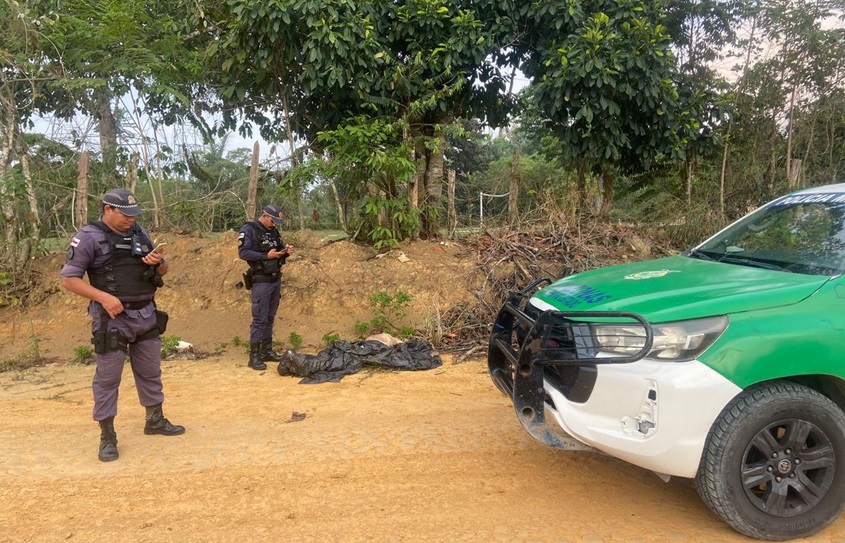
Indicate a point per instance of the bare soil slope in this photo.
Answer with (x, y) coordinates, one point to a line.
(326, 289)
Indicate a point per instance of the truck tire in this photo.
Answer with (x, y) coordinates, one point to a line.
(773, 465)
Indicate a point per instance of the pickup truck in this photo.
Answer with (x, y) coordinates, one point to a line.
(724, 364)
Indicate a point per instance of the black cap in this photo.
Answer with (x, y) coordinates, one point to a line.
(275, 212)
(123, 200)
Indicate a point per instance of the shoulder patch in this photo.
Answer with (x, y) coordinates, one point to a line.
(241, 237)
(74, 242)
(70, 253)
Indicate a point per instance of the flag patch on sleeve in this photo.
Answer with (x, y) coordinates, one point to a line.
(74, 242)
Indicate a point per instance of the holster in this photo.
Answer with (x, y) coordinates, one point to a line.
(109, 341)
(248, 279)
(161, 321)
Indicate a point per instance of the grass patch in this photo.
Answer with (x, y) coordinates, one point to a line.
(29, 358)
(83, 354)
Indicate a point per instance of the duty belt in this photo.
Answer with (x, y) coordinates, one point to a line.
(266, 278)
(136, 305)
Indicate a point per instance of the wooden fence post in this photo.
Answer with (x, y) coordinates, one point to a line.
(81, 207)
(253, 184)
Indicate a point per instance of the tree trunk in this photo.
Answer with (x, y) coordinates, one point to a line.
(30, 244)
(341, 216)
(581, 186)
(131, 173)
(791, 178)
(433, 189)
(722, 175)
(451, 214)
(160, 204)
(300, 209)
(513, 193)
(421, 160)
(8, 138)
(690, 173)
(253, 184)
(294, 160)
(80, 211)
(108, 134)
(607, 192)
(810, 139)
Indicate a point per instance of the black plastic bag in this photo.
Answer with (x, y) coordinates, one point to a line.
(343, 358)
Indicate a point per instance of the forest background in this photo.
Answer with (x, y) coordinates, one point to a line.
(392, 120)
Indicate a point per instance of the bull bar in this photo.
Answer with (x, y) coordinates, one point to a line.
(521, 348)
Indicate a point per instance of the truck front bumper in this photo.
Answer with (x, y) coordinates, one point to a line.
(653, 414)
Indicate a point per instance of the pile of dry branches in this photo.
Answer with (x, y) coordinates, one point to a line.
(509, 260)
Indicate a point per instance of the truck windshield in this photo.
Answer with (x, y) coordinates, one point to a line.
(791, 234)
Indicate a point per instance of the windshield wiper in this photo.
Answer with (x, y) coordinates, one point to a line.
(753, 263)
(695, 253)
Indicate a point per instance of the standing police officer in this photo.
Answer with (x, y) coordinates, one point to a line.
(260, 244)
(123, 273)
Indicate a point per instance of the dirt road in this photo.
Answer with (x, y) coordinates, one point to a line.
(433, 456)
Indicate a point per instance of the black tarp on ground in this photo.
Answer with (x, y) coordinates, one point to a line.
(343, 358)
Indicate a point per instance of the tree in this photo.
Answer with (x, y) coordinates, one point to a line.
(122, 48)
(700, 31)
(23, 70)
(605, 82)
(315, 65)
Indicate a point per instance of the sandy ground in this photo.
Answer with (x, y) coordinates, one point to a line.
(427, 456)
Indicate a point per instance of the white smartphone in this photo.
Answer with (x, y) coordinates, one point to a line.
(157, 248)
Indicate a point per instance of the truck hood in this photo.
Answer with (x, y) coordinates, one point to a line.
(677, 288)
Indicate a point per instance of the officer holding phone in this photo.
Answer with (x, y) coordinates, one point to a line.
(124, 271)
(261, 246)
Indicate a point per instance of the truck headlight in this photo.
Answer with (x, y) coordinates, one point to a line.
(677, 341)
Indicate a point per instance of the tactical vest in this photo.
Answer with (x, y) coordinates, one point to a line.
(124, 275)
(268, 240)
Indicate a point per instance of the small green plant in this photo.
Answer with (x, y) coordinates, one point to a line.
(295, 340)
(362, 328)
(169, 345)
(388, 310)
(237, 342)
(329, 339)
(83, 354)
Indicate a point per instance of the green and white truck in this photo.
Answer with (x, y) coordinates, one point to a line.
(724, 364)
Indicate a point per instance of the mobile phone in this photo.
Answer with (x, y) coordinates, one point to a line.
(159, 246)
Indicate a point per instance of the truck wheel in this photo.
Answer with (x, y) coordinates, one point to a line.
(773, 465)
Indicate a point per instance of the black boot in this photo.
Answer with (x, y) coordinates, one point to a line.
(157, 424)
(267, 353)
(108, 441)
(255, 361)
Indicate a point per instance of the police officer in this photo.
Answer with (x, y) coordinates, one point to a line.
(123, 274)
(260, 244)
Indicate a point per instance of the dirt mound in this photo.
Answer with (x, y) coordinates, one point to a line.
(327, 287)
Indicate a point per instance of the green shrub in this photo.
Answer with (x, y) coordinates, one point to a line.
(295, 340)
(329, 339)
(169, 345)
(388, 313)
(83, 354)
